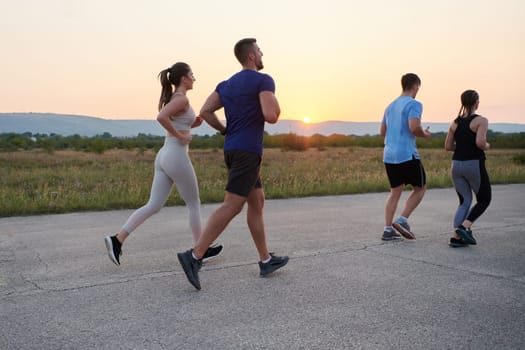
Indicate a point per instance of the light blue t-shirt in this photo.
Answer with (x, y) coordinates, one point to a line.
(400, 143)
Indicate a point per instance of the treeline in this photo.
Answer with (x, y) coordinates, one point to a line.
(100, 143)
(97, 144)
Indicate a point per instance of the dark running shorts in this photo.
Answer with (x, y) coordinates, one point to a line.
(407, 173)
(243, 172)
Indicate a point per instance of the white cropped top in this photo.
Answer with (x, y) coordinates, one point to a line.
(183, 122)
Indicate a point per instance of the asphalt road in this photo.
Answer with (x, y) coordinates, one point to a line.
(343, 288)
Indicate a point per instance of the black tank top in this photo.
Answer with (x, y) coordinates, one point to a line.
(465, 138)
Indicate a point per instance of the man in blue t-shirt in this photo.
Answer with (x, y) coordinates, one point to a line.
(400, 126)
(249, 101)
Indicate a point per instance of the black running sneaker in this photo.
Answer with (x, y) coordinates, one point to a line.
(114, 248)
(473, 240)
(191, 267)
(465, 235)
(213, 251)
(276, 262)
(457, 243)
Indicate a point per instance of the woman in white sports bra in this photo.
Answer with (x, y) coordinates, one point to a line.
(172, 163)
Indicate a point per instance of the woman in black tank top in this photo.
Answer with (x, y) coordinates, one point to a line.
(467, 138)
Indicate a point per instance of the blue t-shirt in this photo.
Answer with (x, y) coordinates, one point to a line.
(400, 143)
(244, 119)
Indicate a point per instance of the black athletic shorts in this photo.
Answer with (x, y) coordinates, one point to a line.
(407, 173)
(243, 172)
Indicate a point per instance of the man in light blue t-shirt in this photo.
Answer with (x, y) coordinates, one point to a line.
(400, 126)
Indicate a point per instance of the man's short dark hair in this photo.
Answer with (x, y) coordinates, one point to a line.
(243, 48)
(409, 80)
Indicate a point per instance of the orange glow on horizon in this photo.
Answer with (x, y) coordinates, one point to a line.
(101, 59)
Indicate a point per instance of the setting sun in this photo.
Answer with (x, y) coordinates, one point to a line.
(345, 83)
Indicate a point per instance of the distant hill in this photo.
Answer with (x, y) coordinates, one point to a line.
(65, 125)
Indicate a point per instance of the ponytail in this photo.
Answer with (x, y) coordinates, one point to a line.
(169, 77)
(460, 113)
(167, 90)
(469, 98)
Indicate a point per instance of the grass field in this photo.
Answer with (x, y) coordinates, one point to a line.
(35, 182)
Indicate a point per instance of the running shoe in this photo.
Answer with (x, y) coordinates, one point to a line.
(469, 231)
(465, 235)
(390, 235)
(191, 267)
(114, 248)
(457, 243)
(275, 263)
(213, 251)
(404, 229)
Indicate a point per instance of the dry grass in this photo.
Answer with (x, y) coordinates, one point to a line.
(35, 182)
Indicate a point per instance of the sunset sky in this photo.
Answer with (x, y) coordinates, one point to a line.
(331, 60)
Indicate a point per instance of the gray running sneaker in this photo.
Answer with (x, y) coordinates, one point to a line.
(390, 235)
(191, 267)
(276, 262)
(404, 229)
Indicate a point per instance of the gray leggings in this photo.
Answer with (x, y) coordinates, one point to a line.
(470, 176)
(172, 166)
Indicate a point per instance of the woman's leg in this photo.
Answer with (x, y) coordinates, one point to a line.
(177, 165)
(160, 190)
(483, 194)
(463, 190)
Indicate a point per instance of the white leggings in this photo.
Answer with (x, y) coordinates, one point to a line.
(172, 166)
